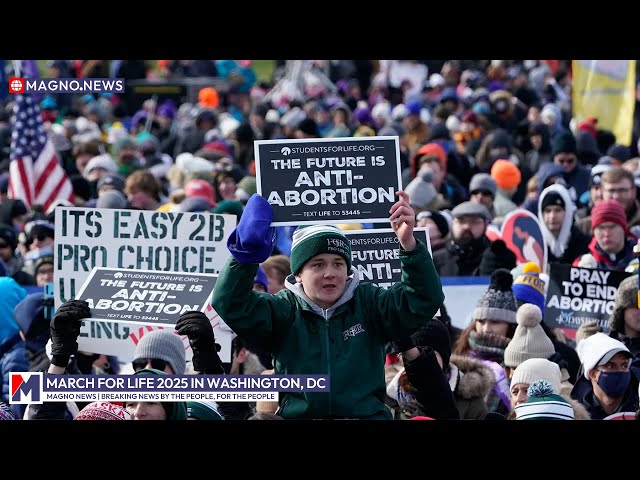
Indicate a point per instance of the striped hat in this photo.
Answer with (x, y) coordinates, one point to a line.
(543, 404)
(309, 241)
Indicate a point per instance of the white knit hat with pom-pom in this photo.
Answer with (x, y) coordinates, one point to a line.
(529, 339)
(536, 369)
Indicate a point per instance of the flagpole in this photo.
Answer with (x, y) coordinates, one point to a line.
(17, 67)
(154, 100)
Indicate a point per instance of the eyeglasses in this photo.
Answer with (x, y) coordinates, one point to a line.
(567, 160)
(156, 363)
(484, 193)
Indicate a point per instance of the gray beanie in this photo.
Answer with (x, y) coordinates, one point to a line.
(529, 339)
(483, 181)
(164, 345)
(471, 208)
(498, 303)
(421, 191)
(626, 296)
(112, 199)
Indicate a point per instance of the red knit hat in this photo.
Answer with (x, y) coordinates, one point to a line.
(589, 125)
(609, 211)
(506, 174)
(103, 411)
(429, 149)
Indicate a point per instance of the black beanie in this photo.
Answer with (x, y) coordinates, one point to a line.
(308, 126)
(9, 235)
(498, 255)
(552, 198)
(564, 143)
(434, 334)
(439, 219)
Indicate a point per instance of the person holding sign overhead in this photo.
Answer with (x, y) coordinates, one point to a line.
(325, 321)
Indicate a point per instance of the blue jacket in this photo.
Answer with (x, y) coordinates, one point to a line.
(12, 359)
(12, 347)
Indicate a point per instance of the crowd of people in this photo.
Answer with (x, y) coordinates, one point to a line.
(478, 140)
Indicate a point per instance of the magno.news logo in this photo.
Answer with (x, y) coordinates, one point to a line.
(16, 85)
(66, 85)
(25, 387)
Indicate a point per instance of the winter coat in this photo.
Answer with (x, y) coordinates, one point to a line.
(346, 341)
(471, 382)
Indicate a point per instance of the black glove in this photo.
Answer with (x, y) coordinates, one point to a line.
(65, 328)
(197, 327)
(498, 255)
(403, 344)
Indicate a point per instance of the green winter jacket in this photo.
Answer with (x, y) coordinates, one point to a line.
(346, 341)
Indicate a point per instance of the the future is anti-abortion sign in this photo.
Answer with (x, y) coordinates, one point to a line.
(376, 254)
(328, 181)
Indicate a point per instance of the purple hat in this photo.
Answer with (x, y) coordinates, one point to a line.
(167, 109)
(414, 107)
(496, 85)
(363, 115)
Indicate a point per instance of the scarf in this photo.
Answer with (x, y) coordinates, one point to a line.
(487, 346)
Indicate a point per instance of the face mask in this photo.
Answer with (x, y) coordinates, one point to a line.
(614, 384)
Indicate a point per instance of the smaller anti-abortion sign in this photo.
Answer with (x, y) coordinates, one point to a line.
(376, 254)
(329, 180)
(580, 295)
(145, 296)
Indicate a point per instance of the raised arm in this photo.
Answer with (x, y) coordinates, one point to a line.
(403, 220)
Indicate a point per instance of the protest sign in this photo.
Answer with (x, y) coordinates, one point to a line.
(189, 242)
(329, 180)
(375, 253)
(145, 296)
(580, 295)
(522, 232)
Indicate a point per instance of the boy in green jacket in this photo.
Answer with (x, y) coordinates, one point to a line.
(325, 321)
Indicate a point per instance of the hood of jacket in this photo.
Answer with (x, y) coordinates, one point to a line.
(474, 379)
(347, 294)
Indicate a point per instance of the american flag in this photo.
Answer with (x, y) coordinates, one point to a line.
(36, 175)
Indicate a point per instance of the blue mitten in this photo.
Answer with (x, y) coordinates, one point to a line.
(252, 241)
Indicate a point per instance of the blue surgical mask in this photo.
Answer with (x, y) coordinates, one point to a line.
(614, 384)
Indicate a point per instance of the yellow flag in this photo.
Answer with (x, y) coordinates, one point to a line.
(605, 89)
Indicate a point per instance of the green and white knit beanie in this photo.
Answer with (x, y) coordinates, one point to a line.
(309, 241)
(543, 404)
